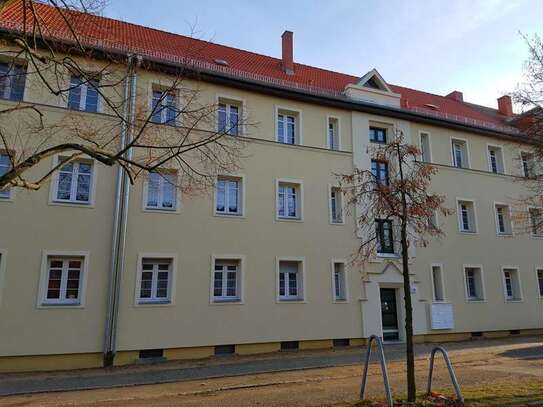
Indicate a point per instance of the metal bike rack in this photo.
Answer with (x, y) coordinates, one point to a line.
(383, 369)
(459, 395)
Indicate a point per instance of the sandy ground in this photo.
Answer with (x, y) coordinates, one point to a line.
(498, 363)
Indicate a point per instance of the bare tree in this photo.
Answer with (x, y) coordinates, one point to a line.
(394, 193)
(529, 96)
(180, 131)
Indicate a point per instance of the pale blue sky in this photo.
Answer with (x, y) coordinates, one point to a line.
(437, 45)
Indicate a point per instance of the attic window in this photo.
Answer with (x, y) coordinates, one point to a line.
(220, 62)
(372, 83)
(431, 106)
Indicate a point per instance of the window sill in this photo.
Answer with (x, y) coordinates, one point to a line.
(504, 234)
(468, 232)
(150, 303)
(284, 219)
(475, 300)
(337, 223)
(291, 301)
(8, 199)
(388, 255)
(161, 210)
(227, 301)
(229, 215)
(340, 301)
(514, 300)
(72, 204)
(60, 305)
(536, 236)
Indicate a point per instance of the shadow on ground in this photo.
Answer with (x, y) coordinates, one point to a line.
(529, 353)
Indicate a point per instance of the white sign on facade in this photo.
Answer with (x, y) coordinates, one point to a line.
(442, 316)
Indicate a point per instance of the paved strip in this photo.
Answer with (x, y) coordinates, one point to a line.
(113, 378)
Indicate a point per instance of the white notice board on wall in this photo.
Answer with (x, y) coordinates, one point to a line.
(441, 316)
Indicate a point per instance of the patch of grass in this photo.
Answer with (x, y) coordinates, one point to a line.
(488, 396)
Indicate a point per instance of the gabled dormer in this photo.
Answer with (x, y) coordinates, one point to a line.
(373, 88)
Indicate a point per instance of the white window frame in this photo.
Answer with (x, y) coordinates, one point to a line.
(459, 216)
(159, 87)
(337, 189)
(522, 172)
(3, 268)
(232, 100)
(147, 208)
(537, 270)
(289, 111)
(240, 298)
(17, 62)
(42, 301)
(301, 280)
(139, 302)
(347, 298)
(532, 234)
(510, 218)
(443, 293)
(489, 163)
(8, 197)
(54, 184)
(427, 133)
(483, 290)
(300, 187)
(241, 197)
(516, 270)
(83, 97)
(467, 157)
(330, 118)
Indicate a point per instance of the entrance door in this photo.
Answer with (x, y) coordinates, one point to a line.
(389, 314)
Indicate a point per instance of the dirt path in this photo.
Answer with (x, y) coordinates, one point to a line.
(492, 371)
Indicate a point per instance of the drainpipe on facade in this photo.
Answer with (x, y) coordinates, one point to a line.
(120, 214)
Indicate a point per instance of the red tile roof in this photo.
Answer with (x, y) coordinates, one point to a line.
(106, 33)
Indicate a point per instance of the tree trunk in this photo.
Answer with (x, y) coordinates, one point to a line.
(410, 356)
(409, 352)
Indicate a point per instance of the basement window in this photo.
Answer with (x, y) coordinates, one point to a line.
(290, 345)
(151, 353)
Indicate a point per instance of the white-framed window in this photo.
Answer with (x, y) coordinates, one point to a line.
(332, 133)
(378, 134)
(460, 157)
(229, 195)
(336, 205)
(466, 216)
(5, 166)
(495, 159)
(155, 279)
(83, 94)
(424, 145)
(289, 199)
(384, 229)
(536, 221)
(339, 281)
(438, 286)
(288, 127)
(12, 81)
(74, 182)
(527, 164)
(161, 191)
(539, 276)
(63, 276)
(504, 224)
(379, 170)
(511, 284)
(473, 276)
(164, 107)
(290, 279)
(228, 115)
(227, 279)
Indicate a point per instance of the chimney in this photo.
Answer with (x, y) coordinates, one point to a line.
(288, 58)
(505, 106)
(456, 95)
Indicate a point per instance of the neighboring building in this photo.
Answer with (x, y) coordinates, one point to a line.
(262, 263)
